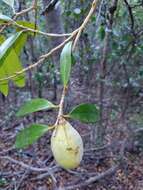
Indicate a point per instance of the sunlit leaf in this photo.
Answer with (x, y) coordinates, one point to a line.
(10, 66)
(7, 46)
(20, 43)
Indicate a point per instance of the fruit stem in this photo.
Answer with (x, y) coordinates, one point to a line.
(61, 104)
(51, 127)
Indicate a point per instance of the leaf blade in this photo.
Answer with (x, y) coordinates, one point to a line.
(10, 66)
(7, 45)
(34, 105)
(87, 113)
(66, 62)
(30, 135)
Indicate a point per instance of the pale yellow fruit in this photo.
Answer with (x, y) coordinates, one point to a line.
(67, 146)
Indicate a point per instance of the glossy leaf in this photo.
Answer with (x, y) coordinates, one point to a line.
(30, 135)
(7, 46)
(9, 2)
(65, 63)
(11, 65)
(88, 113)
(34, 105)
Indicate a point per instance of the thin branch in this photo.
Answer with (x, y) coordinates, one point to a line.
(42, 58)
(40, 32)
(83, 25)
(76, 33)
(29, 167)
(99, 13)
(60, 113)
(33, 7)
(23, 12)
(49, 7)
(34, 30)
(16, 15)
(94, 179)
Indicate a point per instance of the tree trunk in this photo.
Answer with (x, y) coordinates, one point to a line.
(101, 129)
(54, 24)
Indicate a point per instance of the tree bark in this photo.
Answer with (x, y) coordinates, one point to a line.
(101, 129)
(54, 24)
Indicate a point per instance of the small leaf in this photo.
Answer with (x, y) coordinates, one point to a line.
(65, 63)
(34, 105)
(88, 113)
(9, 2)
(30, 135)
(8, 44)
(4, 19)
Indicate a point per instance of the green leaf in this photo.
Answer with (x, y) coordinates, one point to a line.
(4, 19)
(20, 43)
(34, 105)
(2, 39)
(11, 65)
(26, 24)
(3, 84)
(9, 2)
(30, 135)
(73, 59)
(7, 46)
(88, 113)
(65, 63)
